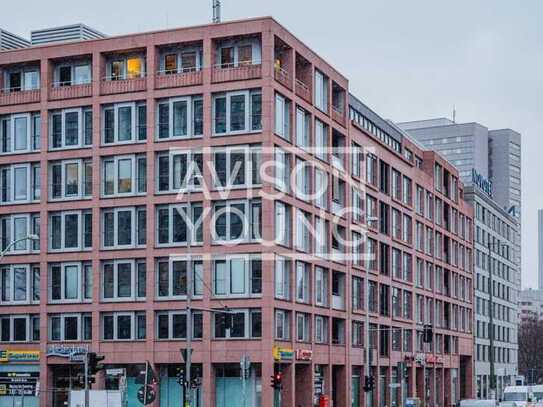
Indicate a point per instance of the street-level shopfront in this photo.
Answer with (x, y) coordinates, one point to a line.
(19, 378)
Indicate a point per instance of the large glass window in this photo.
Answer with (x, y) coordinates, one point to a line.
(70, 128)
(20, 183)
(124, 123)
(179, 225)
(172, 277)
(15, 231)
(237, 323)
(20, 133)
(180, 118)
(179, 170)
(124, 175)
(125, 67)
(70, 230)
(321, 91)
(283, 267)
(237, 220)
(123, 280)
(236, 166)
(77, 73)
(124, 227)
(70, 282)
(237, 112)
(19, 284)
(237, 276)
(19, 328)
(282, 116)
(123, 326)
(70, 327)
(70, 179)
(172, 325)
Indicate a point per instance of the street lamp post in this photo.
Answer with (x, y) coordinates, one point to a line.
(9, 246)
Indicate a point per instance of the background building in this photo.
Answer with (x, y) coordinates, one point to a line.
(139, 161)
(540, 247)
(531, 304)
(496, 287)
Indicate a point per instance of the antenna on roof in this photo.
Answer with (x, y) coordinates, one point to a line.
(216, 11)
(454, 114)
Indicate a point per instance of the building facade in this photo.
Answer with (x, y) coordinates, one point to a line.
(531, 305)
(496, 287)
(540, 248)
(227, 165)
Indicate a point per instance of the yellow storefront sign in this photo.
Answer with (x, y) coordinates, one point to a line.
(282, 353)
(19, 356)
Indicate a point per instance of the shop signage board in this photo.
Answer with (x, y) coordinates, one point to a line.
(283, 354)
(68, 351)
(18, 383)
(304, 354)
(9, 355)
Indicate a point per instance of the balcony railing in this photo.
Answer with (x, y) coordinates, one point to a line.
(303, 91)
(172, 79)
(283, 77)
(109, 85)
(229, 72)
(16, 97)
(69, 91)
(338, 116)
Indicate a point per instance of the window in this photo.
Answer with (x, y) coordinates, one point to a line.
(396, 185)
(356, 160)
(70, 282)
(283, 223)
(179, 170)
(371, 169)
(357, 293)
(358, 333)
(172, 277)
(303, 321)
(338, 194)
(20, 183)
(70, 327)
(321, 188)
(172, 325)
(187, 59)
(303, 231)
(70, 128)
(321, 237)
(19, 284)
(236, 220)
(237, 166)
(406, 191)
(321, 140)
(180, 118)
(14, 230)
(20, 133)
(303, 126)
(124, 175)
(282, 170)
(321, 329)
(237, 53)
(70, 231)
(121, 67)
(282, 325)
(282, 117)
(303, 271)
(237, 324)
(19, 328)
(123, 227)
(124, 123)
(321, 91)
(237, 276)
(321, 286)
(282, 277)
(237, 112)
(338, 331)
(303, 179)
(20, 79)
(76, 73)
(123, 280)
(70, 179)
(179, 225)
(123, 326)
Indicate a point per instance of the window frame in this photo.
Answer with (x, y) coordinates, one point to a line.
(80, 233)
(248, 276)
(81, 129)
(134, 178)
(135, 237)
(82, 268)
(134, 287)
(191, 262)
(249, 121)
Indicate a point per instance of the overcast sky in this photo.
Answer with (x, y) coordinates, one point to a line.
(407, 60)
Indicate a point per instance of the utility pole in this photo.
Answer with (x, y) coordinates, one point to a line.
(86, 366)
(492, 378)
(188, 361)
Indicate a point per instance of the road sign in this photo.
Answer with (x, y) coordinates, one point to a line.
(150, 395)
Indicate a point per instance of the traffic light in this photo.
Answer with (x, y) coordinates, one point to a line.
(276, 381)
(92, 360)
(369, 383)
(427, 335)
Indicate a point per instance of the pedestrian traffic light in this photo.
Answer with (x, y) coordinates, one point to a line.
(92, 360)
(427, 334)
(276, 380)
(369, 383)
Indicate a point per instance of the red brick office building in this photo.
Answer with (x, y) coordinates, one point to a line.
(233, 157)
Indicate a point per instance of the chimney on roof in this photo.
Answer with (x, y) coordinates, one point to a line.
(74, 32)
(11, 41)
(216, 11)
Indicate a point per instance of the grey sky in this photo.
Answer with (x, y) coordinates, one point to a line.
(408, 60)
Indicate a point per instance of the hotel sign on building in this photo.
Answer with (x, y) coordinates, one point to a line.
(481, 182)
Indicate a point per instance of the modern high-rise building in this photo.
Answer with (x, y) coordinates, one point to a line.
(220, 183)
(531, 305)
(496, 277)
(540, 248)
